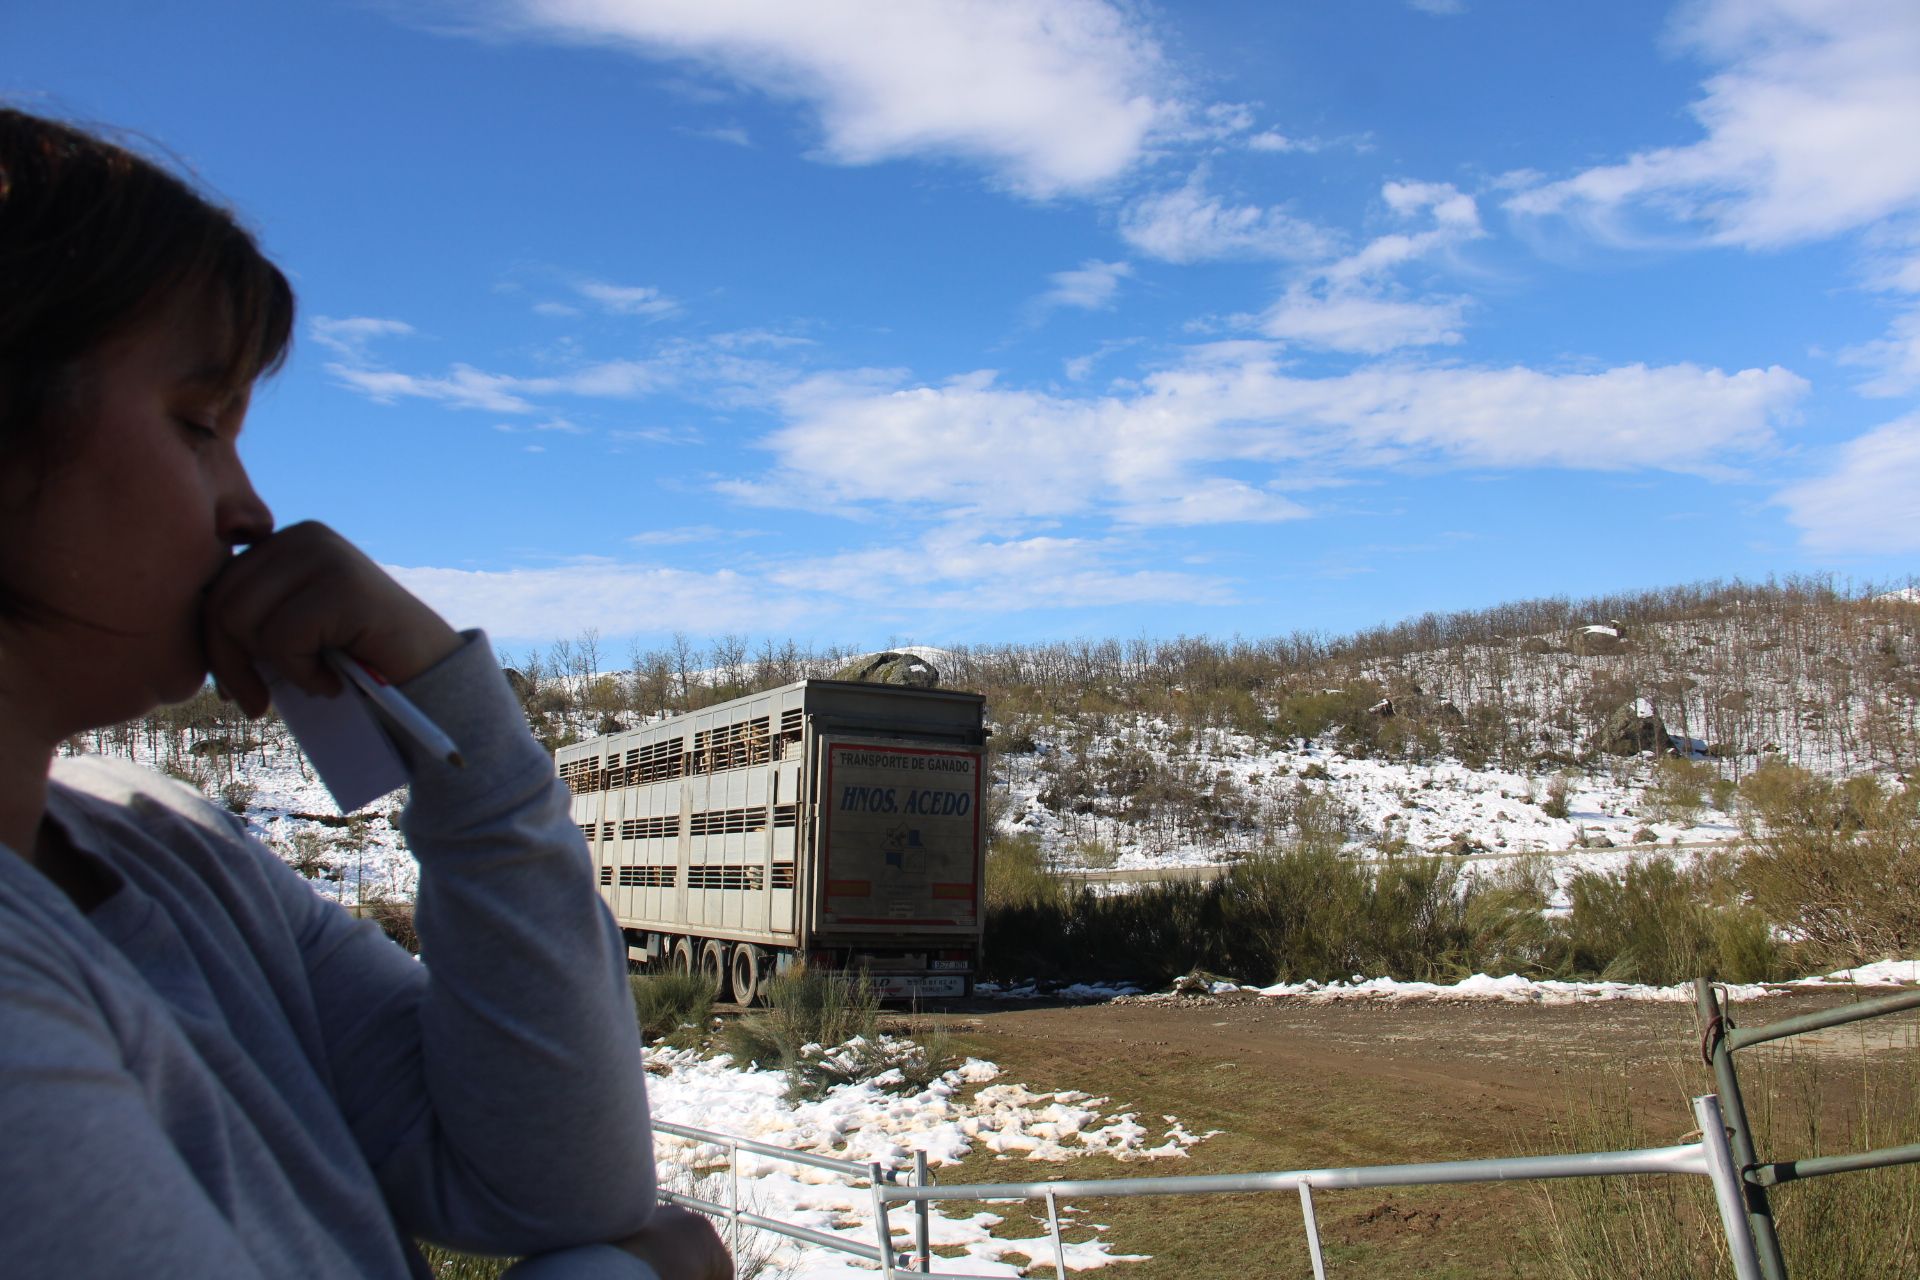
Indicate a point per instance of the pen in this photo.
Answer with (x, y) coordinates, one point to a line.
(402, 713)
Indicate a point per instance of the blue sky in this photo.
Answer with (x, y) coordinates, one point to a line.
(868, 321)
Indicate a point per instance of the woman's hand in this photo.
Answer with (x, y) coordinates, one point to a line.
(681, 1245)
(304, 589)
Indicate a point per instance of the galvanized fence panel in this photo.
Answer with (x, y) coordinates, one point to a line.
(1724, 1155)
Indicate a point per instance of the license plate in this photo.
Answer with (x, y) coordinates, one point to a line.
(899, 984)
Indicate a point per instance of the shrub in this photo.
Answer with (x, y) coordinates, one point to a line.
(312, 854)
(1506, 925)
(191, 772)
(1655, 924)
(1837, 864)
(1018, 876)
(807, 1008)
(237, 796)
(674, 1007)
(394, 918)
(1679, 790)
(1559, 798)
(888, 1062)
(1097, 855)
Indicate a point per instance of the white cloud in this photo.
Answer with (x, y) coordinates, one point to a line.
(957, 568)
(682, 534)
(1054, 96)
(950, 568)
(1870, 501)
(1346, 306)
(1352, 321)
(1150, 455)
(615, 598)
(1808, 128)
(1214, 501)
(732, 135)
(1274, 140)
(627, 300)
(1190, 225)
(464, 387)
(1090, 286)
(1896, 358)
(349, 337)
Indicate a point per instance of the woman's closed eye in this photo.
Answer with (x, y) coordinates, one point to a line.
(200, 432)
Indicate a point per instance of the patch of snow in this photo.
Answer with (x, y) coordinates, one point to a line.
(860, 1122)
(1883, 973)
(1512, 989)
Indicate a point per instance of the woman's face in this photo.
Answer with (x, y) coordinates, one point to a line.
(119, 540)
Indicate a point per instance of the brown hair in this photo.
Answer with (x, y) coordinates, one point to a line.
(93, 239)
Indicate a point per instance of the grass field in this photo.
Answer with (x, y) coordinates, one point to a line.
(1348, 1085)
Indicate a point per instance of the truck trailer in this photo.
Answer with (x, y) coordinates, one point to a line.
(829, 822)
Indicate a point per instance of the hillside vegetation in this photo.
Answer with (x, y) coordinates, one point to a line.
(1543, 725)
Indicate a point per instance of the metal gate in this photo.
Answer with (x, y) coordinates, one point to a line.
(1724, 1155)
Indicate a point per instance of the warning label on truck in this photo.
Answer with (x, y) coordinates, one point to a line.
(901, 833)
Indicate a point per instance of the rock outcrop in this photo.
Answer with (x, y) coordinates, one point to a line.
(892, 668)
(1631, 729)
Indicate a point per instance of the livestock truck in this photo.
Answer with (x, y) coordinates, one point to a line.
(825, 821)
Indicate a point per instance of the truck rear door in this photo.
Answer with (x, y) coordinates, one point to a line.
(899, 837)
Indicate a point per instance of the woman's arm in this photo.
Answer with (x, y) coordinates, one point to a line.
(496, 1086)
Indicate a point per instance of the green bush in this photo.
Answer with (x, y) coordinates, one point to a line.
(1018, 876)
(1679, 790)
(1654, 923)
(810, 1013)
(673, 1007)
(1838, 864)
(1506, 924)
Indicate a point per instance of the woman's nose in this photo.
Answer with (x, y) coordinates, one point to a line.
(243, 517)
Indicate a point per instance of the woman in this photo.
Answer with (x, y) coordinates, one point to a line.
(205, 1069)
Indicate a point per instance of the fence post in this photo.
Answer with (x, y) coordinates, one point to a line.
(922, 1235)
(1313, 1230)
(733, 1195)
(1716, 1047)
(1053, 1228)
(1727, 1184)
(880, 1224)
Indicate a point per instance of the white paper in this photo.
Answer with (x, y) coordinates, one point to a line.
(343, 738)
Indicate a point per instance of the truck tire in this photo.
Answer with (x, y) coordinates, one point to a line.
(713, 965)
(746, 974)
(682, 956)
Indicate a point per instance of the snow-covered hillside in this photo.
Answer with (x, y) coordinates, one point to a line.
(1472, 740)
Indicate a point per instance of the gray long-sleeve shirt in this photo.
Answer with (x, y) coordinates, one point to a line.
(216, 1073)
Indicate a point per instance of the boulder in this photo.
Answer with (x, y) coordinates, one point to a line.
(1592, 642)
(1630, 729)
(892, 668)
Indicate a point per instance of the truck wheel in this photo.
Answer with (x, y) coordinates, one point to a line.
(682, 956)
(746, 974)
(713, 965)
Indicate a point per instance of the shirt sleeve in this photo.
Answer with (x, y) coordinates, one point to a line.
(496, 1086)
